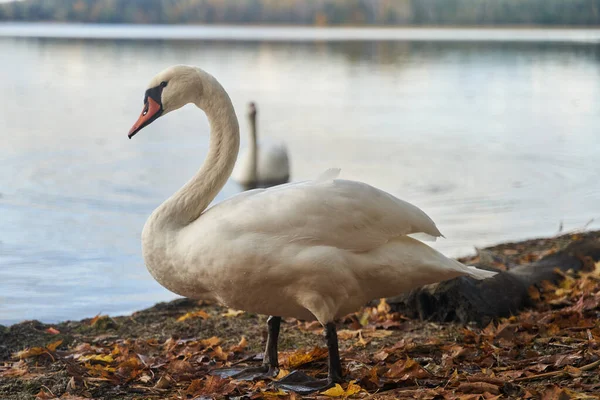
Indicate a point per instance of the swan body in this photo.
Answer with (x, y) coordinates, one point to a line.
(317, 249)
(261, 164)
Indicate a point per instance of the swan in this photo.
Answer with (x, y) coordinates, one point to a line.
(313, 250)
(261, 166)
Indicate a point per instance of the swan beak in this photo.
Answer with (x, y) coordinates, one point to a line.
(152, 110)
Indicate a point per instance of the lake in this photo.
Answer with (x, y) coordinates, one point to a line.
(494, 133)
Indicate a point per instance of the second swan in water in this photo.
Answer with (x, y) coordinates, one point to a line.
(261, 164)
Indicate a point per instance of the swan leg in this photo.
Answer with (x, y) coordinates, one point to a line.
(270, 366)
(301, 383)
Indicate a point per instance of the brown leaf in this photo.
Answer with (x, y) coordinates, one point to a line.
(407, 369)
(43, 395)
(212, 385)
(210, 342)
(241, 346)
(478, 387)
(555, 393)
(180, 367)
(381, 355)
(164, 382)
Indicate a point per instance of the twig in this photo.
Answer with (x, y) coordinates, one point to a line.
(587, 367)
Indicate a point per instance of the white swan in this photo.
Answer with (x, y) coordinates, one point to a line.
(261, 165)
(311, 250)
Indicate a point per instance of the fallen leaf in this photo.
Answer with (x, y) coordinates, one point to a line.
(27, 353)
(232, 313)
(301, 357)
(52, 331)
(338, 391)
(106, 358)
(381, 355)
(278, 393)
(164, 382)
(193, 314)
(210, 342)
(54, 345)
(478, 387)
(218, 352)
(43, 395)
(282, 373)
(241, 346)
(407, 369)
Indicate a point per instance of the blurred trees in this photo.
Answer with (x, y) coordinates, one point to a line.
(314, 12)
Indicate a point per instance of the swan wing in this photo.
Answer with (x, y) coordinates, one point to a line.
(329, 212)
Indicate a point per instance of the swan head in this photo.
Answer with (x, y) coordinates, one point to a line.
(168, 91)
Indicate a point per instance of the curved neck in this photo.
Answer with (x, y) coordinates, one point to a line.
(188, 203)
(253, 149)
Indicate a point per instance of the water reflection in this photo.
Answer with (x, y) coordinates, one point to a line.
(496, 141)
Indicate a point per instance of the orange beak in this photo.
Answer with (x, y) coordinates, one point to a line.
(151, 111)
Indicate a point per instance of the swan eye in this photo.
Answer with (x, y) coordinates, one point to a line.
(163, 84)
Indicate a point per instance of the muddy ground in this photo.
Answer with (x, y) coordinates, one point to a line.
(166, 352)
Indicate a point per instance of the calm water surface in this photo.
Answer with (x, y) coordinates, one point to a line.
(496, 140)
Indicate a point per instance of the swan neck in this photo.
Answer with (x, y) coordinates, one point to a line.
(187, 204)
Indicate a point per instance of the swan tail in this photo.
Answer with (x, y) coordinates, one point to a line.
(479, 273)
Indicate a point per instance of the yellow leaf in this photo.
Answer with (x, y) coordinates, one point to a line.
(99, 357)
(353, 388)
(336, 391)
(383, 307)
(54, 345)
(193, 314)
(274, 394)
(301, 357)
(232, 313)
(282, 373)
(210, 342)
(34, 351)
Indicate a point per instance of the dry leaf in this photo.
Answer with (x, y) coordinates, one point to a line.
(478, 387)
(338, 391)
(300, 357)
(407, 369)
(193, 314)
(107, 358)
(52, 331)
(232, 313)
(210, 342)
(241, 346)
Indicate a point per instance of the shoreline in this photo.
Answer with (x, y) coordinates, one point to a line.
(88, 357)
(299, 33)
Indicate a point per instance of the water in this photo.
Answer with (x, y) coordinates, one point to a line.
(496, 140)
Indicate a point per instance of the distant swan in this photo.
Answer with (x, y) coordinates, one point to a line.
(261, 164)
(317, 249)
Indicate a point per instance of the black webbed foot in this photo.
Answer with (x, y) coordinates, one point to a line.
(248, 373)
(301, 383)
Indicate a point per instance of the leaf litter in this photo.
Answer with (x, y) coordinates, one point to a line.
(550, 351)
